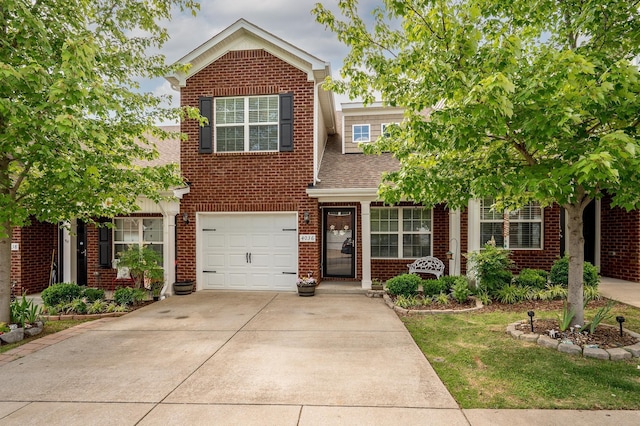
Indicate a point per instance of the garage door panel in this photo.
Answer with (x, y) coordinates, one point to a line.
(284, 262)
(213, 261)
(236, 260)
(271, 240)
(213, 280)
(261, 242)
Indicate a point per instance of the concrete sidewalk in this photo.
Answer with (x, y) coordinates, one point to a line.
(247, 358)
(623, 291)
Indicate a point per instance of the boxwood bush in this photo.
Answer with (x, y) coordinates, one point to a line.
(560, 273)
(60, 293)
(405, 285)
(435, 287)
(534, 278)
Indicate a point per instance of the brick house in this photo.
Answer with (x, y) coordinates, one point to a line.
(277, 186)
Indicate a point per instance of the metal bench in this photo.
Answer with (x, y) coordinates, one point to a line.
(427, 265)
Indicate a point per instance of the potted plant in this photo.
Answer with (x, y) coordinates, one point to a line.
(306, 286)
(376, 284)
(144, 267)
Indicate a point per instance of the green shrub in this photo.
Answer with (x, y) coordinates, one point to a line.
(24, 311)
(535, 278)
(460, 290)
(560, 273)
(491, 267)
(97, 307)
(434, 287)
(448, 282)
(93, 294)
(508, 294)
(442, 299)
(405, 285)
(60, 293)
(590, 293)
(555, 291)
(407, 301)
(128, 296)
(78, 306)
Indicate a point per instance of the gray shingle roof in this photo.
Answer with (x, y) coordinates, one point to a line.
(338, 171)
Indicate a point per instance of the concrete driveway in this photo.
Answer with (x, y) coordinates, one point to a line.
(233, 358)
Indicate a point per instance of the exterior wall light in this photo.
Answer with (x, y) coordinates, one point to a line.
(185, 218)
(305, 217)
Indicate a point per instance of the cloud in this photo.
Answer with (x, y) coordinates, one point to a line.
(290, 20)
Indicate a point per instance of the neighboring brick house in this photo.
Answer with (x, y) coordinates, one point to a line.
(277, 186)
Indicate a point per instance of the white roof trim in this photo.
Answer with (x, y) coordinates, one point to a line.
(343, 194)
(243, 35)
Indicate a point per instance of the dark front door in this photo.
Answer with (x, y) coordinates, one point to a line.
(339, 243)
(588, 231)
(81, 253)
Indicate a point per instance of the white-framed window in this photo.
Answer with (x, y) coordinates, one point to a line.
(137, 231)
(518, 229)
(383, 128)
(401, 232)
(361, 133)
(247, 123)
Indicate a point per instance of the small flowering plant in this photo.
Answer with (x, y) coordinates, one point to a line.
(307, 281)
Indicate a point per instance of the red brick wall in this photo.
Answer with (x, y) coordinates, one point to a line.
(31, 265)
(249, 182)
(384, 269)
(620, 242)
(537, 259)
(542, 259)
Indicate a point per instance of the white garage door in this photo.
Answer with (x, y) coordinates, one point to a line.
(248, 251)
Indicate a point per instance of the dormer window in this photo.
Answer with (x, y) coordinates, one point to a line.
(361, 133)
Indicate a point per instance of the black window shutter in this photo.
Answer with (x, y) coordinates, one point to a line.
(286, 122)
(206, 131)
(104, 244)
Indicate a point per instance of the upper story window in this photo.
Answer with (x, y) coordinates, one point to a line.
(137, 231)
(361, 133)
(518, 229)
(383, 128)
(401, 232)
(246, 124)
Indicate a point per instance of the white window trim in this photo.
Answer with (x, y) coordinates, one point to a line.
(383, 125)
(400, 232)
(477, 218)
(246, 124)
(140, 234)
(353, 132)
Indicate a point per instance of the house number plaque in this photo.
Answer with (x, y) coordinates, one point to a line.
(307, 238)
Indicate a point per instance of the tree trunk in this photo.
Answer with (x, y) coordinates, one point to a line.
(575, 249)
(5, 272)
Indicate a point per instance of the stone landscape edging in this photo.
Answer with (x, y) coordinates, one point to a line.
(614, 354)
(404, 311)
(62, 317)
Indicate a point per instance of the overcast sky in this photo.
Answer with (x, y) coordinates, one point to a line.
(290, 20)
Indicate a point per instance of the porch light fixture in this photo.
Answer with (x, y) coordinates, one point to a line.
(620, 320)
(531, 314)
(305, 217)
(449, 255)
(185, 218)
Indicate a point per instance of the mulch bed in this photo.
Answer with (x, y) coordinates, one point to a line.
(604, 337)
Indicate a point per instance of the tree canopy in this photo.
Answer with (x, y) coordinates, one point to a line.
(73, 120)
(518, 100)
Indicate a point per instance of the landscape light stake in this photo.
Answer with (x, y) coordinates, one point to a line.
(620, 320)
(531, 314)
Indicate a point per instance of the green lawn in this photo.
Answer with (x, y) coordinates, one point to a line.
(50, 327)
(483, 367)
